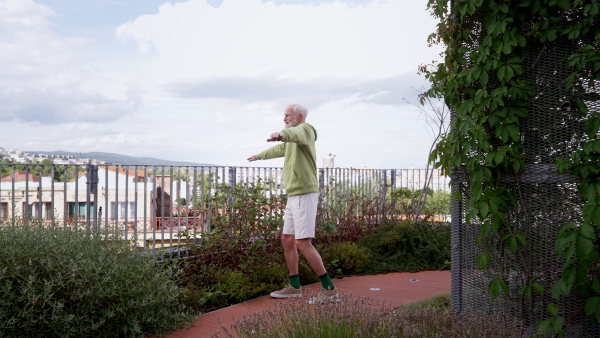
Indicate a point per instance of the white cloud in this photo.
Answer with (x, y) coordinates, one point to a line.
(209, 84)
(49, 78)
(249, 39)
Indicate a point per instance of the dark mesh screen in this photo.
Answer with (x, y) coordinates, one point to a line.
(547, 200)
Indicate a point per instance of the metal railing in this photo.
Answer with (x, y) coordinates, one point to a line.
(154, 204)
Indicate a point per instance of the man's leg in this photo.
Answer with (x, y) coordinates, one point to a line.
(293, 289)
(291, 253)
(312, 256)
(316, 262)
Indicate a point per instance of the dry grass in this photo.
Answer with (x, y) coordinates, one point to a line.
(364, 317)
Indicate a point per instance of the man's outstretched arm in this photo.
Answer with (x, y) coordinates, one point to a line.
(275, 151)
(275, 137)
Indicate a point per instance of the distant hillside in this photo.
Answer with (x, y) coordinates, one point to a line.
(119, 159)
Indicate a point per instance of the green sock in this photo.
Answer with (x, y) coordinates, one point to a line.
(295, 281)
(326, 282)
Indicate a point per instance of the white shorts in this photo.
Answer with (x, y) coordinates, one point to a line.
(300, 215)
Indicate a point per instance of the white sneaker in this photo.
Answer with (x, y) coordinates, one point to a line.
(325, 296)
(287, 292)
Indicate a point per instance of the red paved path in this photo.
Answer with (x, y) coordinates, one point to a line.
(395, 289)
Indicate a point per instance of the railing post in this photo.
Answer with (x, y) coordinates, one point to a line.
(233, 186)
(40, 193)
(92, 189)
(393, 187)
(384, 185)
(26, 209)
(321, 181)
(321, 198)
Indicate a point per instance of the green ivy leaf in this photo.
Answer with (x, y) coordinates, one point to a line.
(592, 305)
(509, 72)
(507, 44)
(587, 230)
(517, 166)
(476, 190)
(513, 130)
(596, 146)
(588, 210)
(483, 260)
(584, 246)
(496, 223)
(484, 229)
(465, 107)
(588, 191)
(561, 287)
(504, 285)
(592, 126)
(484, 78)
(505, 73)
(499, 157)
(553, 309)
(494, 288)
(557, 326)
(462, 9)
(544, 325)
(521, 239)
(491, 27)
(483, 209)
(539, 289)
(512, 244)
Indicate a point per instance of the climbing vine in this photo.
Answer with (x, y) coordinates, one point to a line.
(482, 79)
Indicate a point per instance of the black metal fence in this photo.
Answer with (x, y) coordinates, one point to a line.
(154, 204)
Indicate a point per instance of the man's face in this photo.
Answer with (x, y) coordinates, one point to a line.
(291, 119)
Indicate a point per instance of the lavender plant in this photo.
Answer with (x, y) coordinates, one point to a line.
(364, 317)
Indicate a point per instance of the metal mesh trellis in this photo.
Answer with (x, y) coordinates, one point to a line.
(546, 199)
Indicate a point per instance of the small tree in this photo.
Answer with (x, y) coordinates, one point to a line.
(436, 115)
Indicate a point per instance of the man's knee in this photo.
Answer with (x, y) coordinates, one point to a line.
(288, 240)
(303, 244)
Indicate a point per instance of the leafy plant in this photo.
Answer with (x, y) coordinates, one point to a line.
(61, 282)
(408, 247)
(345, 258)
(244, 244)
(483, 79)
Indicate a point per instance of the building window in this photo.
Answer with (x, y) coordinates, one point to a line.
(33, 210)
(79, 209)
(123, 210)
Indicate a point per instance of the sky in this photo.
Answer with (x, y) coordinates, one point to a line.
(208, 81)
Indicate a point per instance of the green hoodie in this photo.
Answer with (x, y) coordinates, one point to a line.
(300, 164)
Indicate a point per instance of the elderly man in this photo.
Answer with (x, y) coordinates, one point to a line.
(302, 186)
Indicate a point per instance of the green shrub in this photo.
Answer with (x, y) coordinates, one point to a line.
(242, 256)
(345, 258)
(236, 287)
(408, 247)
(77, 283)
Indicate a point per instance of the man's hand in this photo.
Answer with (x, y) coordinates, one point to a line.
(252, 158)
(275, 137)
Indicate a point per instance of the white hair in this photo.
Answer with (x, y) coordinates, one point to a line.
(298, 109)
